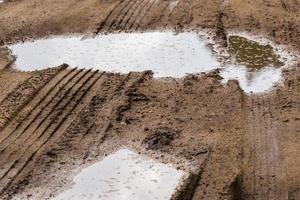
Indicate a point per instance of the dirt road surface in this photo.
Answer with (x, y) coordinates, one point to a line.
(57, 120)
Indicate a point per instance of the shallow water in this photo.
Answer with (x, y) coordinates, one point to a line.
(252, 81)
(257, 67)
(164, 53)
(124, 175)
(252, 54)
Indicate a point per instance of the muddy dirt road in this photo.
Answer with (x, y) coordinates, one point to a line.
(60, 119)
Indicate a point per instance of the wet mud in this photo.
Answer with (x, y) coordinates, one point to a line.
(57, 121)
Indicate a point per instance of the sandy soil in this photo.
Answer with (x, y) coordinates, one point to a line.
(58, 120)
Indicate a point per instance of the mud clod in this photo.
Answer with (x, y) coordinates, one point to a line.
(159, 138)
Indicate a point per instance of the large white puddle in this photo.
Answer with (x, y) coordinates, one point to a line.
(165, 53)
(124, 175)
(257, 67)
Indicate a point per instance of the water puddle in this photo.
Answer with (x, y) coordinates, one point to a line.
(165, 53)
(252, 81)
(124, 175)
(253, 55)
(257, 67)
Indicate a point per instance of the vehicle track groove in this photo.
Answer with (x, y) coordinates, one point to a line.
(18, 120)
(48, 100)
(114, 15)
(12, 149)
(102, 24)
(16, 100)
(116, 25)
(140, 18)
(134, 14)
(50, 116)
(39, 143)
(263, 156)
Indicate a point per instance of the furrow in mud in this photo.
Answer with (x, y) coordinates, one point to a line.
(94, 119)
(60, 121)
(37, 126)
(100, 26)
(45, 104)
(261, 154)
(107, 100)
(32, 106)
(135, 15)
(111, 19)
(142, 15)
(135, 9)
(24, 92)
(12, 152)
(126, 11)
(107, 114)
(86, 122)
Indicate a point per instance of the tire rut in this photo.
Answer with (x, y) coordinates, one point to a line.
(55, 120)
(33, 105)
(131, 15)
(139, 19)
(126, 15)
(136, 15)
(125, 12)
(16, 100)
(63, 130)
(35, 114)
(261, 160)
(112, 16)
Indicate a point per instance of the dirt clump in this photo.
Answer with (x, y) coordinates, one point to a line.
(159, 138)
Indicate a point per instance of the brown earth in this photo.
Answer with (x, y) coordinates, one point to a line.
(58, 120)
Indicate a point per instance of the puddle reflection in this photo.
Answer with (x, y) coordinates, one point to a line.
(124, 175)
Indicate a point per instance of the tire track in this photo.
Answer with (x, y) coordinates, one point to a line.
(111, 18)
(259, 178)
(140, 18)
(122, 15)
(46, 117)
(16, 100)
(18, 120)
(135, 15)
(113, 92)
(102, 24)
(47, 134)
(102, 127)
(124, 105)
(45, 105)
(134, 10)
(108, 100)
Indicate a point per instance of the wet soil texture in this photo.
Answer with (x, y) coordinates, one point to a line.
(55, 122)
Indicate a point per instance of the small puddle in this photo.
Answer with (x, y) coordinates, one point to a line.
(124, 175)
(165, 53)
(257, 67)
(252, 54)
